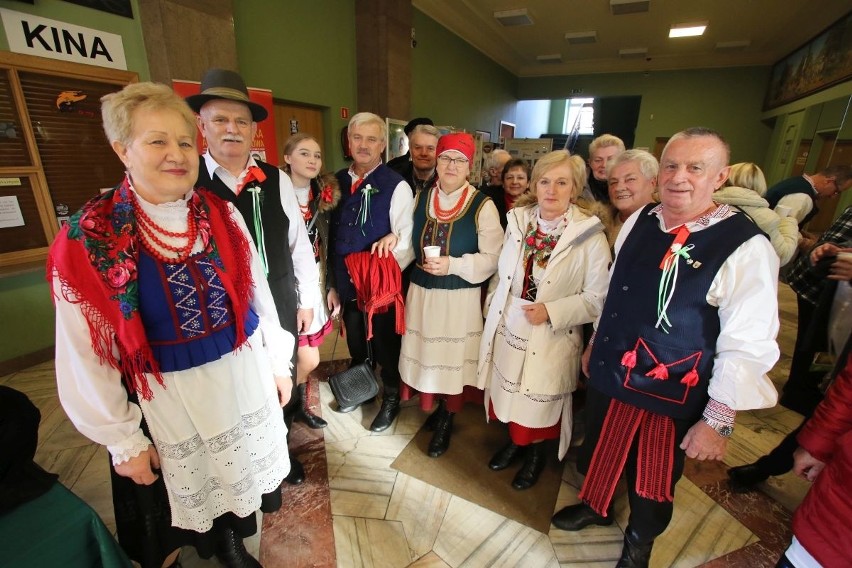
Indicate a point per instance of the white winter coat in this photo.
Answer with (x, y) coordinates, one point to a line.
(783, 232)
(573, 288)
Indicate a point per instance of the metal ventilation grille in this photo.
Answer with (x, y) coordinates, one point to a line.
(510, 18)
(580, 38)
(621, 7)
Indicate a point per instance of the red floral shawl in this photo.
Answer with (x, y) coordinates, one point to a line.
(95, 257)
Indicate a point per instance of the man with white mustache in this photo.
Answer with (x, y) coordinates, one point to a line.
(264, 196)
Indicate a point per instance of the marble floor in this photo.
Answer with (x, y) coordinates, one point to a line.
(355, 510)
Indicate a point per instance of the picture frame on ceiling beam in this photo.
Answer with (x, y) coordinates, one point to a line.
(823, 61)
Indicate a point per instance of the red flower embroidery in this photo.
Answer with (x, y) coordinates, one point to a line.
(118, 276)
(326, 194)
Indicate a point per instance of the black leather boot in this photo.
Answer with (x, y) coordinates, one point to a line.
(435, 417)
(303, 410)
(507, 454)
(441, 438)
(297, 472)
(388, 412)
(231, 551)
(634, 554)
(534, 463)
(579, 516)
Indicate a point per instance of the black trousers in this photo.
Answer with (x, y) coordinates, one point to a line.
(800, 381)
(648, 518)
(386, 342)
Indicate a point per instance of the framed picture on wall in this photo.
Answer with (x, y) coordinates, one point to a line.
(822, 62)
(507, 132)
(397, 143)
(484, 135)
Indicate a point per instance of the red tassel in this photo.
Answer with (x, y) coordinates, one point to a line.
(690, 379)
(660, 372)
(629, 359)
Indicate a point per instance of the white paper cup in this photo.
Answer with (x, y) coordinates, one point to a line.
(432, 251)
(783, 210)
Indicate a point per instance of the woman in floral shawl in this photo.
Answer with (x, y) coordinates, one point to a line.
(166, 343)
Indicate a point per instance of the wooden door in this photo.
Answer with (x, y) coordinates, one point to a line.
(801, 158)
(834, 153)
(292, 119)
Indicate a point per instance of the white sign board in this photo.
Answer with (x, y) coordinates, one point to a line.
(10, 212)
(34, 35)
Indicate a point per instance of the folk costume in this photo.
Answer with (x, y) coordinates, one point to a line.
(529, 372)
(180, 352)
(443, 323)
(371, 207)
(799, 194)
(315, 205)
(687, 333)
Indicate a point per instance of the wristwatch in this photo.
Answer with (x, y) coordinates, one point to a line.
(724, 430)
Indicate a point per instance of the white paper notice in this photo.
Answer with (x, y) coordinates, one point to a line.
(10, 212)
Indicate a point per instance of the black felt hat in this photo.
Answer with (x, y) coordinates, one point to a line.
(225, 84)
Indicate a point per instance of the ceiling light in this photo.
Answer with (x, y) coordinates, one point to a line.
(552, 58)
(518, 17)
(688, 30)
(737, 45)
(621, 7)
(633, 52)
(578, 38)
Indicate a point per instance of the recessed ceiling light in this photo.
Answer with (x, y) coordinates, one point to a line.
(577, 38)
(518, 17)
(621, 7)
(633, 52)
(688, 30)
(551, 58)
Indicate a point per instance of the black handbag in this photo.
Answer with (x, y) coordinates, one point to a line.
(356, 385)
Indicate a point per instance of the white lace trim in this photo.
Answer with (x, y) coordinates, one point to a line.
(129, 448)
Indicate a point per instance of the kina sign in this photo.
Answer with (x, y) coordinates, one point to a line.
(34, 35)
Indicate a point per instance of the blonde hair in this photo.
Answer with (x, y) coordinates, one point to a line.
(749, 176)
(118, 109)
(560, 158)
(604, 141)
(363, 118)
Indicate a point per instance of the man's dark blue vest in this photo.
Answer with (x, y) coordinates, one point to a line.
(792, 186)
(459, 236)
(630, 313)
(281, 278)
(347, 233)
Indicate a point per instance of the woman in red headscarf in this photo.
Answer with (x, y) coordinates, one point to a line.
(457, 238)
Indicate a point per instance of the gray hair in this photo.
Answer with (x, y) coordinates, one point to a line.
(701, 132)
(363, 118)
(495, 157)
(648, 164)
(424, 129)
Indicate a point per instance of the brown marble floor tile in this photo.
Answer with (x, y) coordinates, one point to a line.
(763, 516)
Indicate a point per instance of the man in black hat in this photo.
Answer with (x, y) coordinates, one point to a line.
(264, 196)
(401, 162)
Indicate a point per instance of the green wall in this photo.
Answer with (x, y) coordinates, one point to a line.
(727, 100)
(304, 52)
(456, 85)
(129, 29)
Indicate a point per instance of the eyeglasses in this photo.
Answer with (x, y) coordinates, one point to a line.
(446, 160)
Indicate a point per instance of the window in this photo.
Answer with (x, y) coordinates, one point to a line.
(53, 152)
(579, 117)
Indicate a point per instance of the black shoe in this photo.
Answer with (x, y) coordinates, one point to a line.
(297, 472)
(579, 516)
(441, 439)
(534, 463)
(743, 478)
(387, 413)
(634, 554)
(346, 409)
(435, 417)
(231, 551)
(303, 411)
(505, 456)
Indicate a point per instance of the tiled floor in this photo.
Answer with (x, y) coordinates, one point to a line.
(356, 511)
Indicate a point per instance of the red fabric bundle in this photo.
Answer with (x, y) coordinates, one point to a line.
(378, 286)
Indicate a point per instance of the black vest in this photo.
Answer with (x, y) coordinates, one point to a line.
(281, 278)
(630, 312)
(792, 186)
